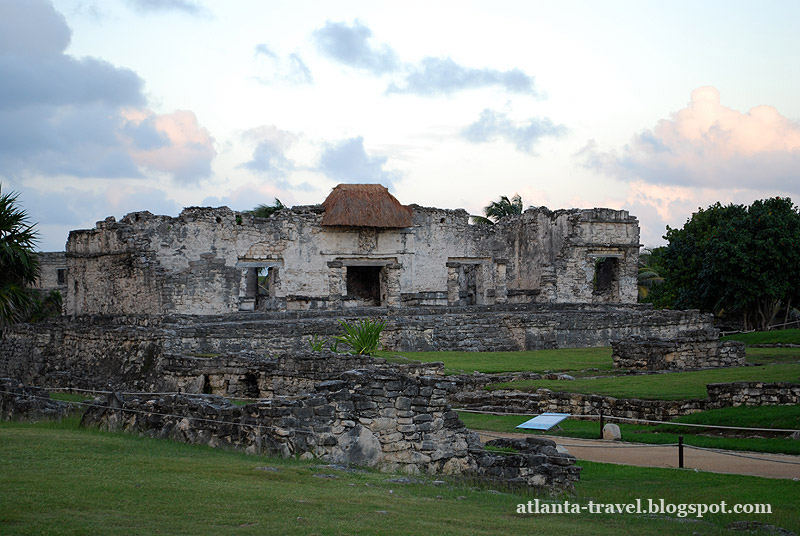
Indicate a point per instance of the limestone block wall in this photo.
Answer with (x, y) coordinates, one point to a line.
(699, 350)
(369, 418)
(721, 395)
(135, 352)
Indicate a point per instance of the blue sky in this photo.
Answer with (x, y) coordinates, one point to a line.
(654, 107)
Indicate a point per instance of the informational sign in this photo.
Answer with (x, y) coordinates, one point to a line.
(545, 421)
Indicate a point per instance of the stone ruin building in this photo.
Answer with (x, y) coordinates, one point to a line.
(360, 248)
(218, 302)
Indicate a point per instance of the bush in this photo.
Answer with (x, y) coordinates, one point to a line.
(363, 337)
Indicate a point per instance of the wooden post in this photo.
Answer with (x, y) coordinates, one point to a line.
(680, 452)
(601, 424)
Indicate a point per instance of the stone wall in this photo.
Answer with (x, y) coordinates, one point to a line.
(694, 350)
(203, 261)
(722, 395)
(23, 402)
(545, 400)
(370, 418)
(139, 352)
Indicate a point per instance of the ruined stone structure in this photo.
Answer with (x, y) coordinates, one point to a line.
(52, 272)
(359, 248)
(690, 350)
(371, 418)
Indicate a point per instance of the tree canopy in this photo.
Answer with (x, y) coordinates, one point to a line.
(19, 265)
(500, 208)
(735, 260)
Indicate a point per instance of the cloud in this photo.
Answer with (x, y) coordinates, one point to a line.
(269, 156)
(82, 117)
(149, 6)
(263, 50)
(173, 143)
(350, 45)
(493, 125)
(443, 76)
(291, 69)
(347, 161)
(709, 145)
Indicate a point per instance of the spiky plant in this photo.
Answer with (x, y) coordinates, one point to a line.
(19, 265)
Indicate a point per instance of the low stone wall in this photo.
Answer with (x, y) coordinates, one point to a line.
(721, 395)
(131, 352)
(22, 402)
(545, 400)
(371, 418)
(694, 350)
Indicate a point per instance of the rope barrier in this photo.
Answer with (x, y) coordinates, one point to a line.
(736, 454)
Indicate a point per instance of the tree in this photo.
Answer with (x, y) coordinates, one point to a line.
(19, 265)
(736, 260)
(649, 276)
(496, 210)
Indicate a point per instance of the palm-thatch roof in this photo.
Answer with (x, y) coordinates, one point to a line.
(365, 205)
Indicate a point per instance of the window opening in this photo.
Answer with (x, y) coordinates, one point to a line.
(61, 276)
(605, 274)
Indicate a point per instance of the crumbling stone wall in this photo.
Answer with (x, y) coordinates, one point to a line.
(142, 352)
(23, 402)
(694, 350)
(371, 418)
(202, 262)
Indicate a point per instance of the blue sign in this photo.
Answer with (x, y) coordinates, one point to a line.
(545, 421)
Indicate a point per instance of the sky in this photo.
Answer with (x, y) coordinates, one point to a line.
(658, 108)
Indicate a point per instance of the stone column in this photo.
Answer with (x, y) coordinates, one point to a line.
(337, 283)
(393, 284)
(500, 288)
(452, 282)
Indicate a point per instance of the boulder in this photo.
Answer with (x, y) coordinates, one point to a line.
(611, 431)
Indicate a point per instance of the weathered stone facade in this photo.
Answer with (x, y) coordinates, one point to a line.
(215, 261)
(691, 350)
(52, 272)
(722, 395)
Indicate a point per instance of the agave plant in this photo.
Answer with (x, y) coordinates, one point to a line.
(363, 337)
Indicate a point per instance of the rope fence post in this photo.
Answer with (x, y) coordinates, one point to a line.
(601, 424)
(680, 452)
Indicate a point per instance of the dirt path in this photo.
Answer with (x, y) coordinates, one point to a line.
(733, 462)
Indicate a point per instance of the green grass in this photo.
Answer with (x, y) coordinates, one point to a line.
(783, 336)
(58, 479)
(772, 355)
(668, 386)
(783, 417)
(564, 360)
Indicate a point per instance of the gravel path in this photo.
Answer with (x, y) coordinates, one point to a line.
(733, 462)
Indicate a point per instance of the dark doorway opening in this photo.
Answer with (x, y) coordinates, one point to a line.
(605, 274)
(364, 283)
(468, 284)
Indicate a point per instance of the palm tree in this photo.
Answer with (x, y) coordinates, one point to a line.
(648, 275)
(265, 211)
(19, 265)
(496, 210)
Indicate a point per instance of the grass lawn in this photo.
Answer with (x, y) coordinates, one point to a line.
(782, 336)
(564, 360)
(58, 479)
(783, 417)
(772, 355)
(667, 386)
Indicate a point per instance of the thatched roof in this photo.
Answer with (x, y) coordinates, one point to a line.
(364, 205)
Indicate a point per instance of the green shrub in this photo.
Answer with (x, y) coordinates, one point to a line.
(316, 343)
(363, 337)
